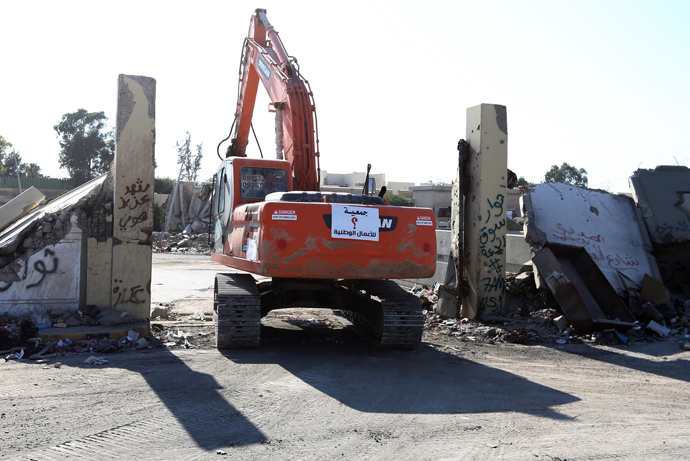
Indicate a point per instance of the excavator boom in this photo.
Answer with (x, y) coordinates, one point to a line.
(265, 59)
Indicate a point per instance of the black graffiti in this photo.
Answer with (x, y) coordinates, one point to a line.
(128, 204)
(133, 220)
(680, 227)
(674, 267)
(136, 188)
(40, 267)
(122, 294)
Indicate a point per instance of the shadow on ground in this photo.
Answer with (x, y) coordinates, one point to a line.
(423, 381)
(194, 400)
(657, 363)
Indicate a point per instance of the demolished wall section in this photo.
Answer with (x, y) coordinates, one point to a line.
(41, 257)
(663, 197)
(605, 225)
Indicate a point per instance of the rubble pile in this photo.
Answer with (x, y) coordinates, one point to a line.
(533, 316)
(165, 242)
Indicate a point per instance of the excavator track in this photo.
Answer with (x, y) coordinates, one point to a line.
(401, 323)
(236, 311)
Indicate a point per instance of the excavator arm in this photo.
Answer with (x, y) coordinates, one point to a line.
(265, 59)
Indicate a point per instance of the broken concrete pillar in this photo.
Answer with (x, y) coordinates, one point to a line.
(485, 210)
(133, 196)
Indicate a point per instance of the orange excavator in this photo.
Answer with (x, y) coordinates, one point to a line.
(304, 247)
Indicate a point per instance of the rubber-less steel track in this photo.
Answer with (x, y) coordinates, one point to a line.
(236, 311)
(402, 321)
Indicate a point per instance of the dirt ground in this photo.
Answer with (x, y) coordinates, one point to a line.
(315, 390)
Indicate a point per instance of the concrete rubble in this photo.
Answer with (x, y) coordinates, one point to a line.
(191, 208)
(165, 242)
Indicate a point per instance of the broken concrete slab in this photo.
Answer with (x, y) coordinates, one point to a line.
(20, 206)
(663, 197)
(608, 226)
(588, 301)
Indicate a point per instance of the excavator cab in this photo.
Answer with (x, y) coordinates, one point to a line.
(241, 181)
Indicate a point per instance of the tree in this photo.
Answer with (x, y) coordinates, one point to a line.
(11, 160)
(87, 146)
(5, 147)
(32, 170)
(397, 200)
(567, 174)
(190, 163)
(522, 182)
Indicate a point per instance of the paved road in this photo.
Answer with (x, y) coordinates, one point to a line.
(182, 277)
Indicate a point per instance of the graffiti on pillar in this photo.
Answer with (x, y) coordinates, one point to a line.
(48, 264)
(136, 199)
(492, 244)
(127, 295)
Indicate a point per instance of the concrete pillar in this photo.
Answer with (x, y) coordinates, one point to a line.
(485, 210)
(133, 196)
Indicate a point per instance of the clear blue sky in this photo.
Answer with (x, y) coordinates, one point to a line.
(602, 85)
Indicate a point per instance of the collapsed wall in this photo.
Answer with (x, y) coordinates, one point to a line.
(42, 257)
(92, 245)
(663, 196)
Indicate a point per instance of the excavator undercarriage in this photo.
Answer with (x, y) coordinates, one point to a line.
(380, 309)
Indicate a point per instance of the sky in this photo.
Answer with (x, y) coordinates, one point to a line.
(602, 85)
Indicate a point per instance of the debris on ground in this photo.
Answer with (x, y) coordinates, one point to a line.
(533, 316)
(93, 360)
(166, 242)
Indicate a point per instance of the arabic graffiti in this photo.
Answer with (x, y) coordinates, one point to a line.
(491, 303)
(39, 267)
(595, 246)
(679, 227)
(127, 295)
(673, 272)
(135, 198)
(492, 247)
(569, 235)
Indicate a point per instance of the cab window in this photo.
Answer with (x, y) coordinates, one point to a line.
(257, 182)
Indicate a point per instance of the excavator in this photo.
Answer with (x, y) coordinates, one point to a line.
(291, 245)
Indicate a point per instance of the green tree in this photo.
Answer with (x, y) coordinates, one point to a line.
(32, 170)
(87, 146)
(163, 185)
(11, 162)
(397, 200)
(191, 163)
(567, 174)
(5, 148)
(522, 182)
